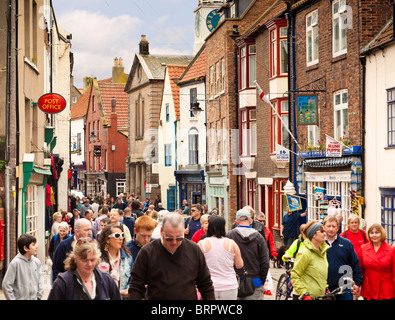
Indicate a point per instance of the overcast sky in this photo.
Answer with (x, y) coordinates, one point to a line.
(105, 29)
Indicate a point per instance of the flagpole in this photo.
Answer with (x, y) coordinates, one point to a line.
(276, 113)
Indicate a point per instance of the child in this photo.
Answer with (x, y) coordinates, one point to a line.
(23, 279)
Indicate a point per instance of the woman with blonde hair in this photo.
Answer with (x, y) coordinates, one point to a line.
(377, 261)
(82, 280)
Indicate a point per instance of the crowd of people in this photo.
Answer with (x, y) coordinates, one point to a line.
(128, 249)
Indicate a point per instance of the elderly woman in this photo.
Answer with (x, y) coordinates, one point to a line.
(57, 219)
(62, 234)
(82, 279)
(353, 233)
(116, 258)
(377, 261)
(310, 270)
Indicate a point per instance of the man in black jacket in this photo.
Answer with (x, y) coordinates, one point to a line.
(253, 251)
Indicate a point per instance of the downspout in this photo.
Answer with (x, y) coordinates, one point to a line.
(363, 160)
(18, 134)
(239, 179)
(287, 15)
(293, 99)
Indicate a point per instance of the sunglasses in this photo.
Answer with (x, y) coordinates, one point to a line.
(169, 239)
(116, 235)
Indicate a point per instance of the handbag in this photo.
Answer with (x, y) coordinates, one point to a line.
(246, 286)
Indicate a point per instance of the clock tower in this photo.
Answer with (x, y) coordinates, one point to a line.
(206, 20)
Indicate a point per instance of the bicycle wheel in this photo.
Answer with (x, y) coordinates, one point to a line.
(282, 288)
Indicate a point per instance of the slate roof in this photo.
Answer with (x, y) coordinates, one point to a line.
(154, 65)
(384, 36)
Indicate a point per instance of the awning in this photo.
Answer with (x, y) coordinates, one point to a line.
(329, 162)
(42, 171)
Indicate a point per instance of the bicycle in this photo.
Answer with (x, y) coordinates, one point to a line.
(329, 295)
(284, 285)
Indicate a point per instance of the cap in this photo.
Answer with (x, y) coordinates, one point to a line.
(243, 214)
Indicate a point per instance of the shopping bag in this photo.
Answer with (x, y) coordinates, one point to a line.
(268, 287)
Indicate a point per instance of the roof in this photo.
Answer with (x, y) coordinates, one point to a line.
(81, 106)
(116, 90)
(384, 36)
(175, 71)
(196, 69)
(154, 65)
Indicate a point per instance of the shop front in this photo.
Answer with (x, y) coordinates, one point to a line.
(331, 186)
(191, 187)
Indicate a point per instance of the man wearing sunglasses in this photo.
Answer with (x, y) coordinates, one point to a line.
(192, 224)
(171, 267)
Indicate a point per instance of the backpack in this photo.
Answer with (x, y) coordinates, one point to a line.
(363, 235)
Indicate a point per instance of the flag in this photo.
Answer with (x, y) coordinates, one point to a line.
(101, 167)
(264, 97)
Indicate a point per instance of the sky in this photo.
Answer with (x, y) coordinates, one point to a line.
(104, 29)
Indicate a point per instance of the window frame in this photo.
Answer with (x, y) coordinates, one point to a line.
(314, 30)
(391, 117)
(340, 107)
(168, 154)
(193, 139)
(245, 142)
(246, 62)
(276, 56)
(276, 130)
(340, 17)
(389, 227)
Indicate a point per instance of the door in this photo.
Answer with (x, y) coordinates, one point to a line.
(171, 199)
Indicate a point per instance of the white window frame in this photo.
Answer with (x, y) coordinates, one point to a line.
(313, 135)
(339, 106)
(251, 65)
(223, 73)
(339, 27)
(217, 77)
(120, 187)
(312, 34)
(31, 210)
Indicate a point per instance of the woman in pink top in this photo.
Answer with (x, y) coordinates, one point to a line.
(222, 256)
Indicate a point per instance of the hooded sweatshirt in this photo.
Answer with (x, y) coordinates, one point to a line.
(23, 279)
(254, 252)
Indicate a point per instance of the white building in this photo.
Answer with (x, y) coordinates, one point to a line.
(379, 59)
(168, 136)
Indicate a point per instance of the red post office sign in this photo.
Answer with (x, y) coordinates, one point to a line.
(51, 103)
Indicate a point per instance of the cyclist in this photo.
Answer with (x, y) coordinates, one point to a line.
(310, 270)
(295, 246)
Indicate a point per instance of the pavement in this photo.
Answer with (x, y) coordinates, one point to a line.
(46, 273)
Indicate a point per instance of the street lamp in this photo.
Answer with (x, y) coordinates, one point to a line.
(195, 109)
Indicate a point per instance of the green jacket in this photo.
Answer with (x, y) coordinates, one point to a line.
(310, 270)
(292, 249)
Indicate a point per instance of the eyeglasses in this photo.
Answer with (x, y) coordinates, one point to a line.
(169, 239)
(116, 235)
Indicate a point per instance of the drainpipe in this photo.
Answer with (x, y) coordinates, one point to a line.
(363, 160)
(293, 99)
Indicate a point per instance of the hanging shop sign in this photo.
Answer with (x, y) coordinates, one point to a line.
(51, 103)
(307, 110)
(333, 147)
(294, 203)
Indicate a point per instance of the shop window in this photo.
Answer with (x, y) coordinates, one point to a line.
(31, 210)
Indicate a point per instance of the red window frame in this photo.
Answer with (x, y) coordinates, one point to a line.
(276, 25)
(246, 44)
(248, 122)
(277, 103)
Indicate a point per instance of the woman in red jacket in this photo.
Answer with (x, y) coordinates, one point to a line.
(377, 260)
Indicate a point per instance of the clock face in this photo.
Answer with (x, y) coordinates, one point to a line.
(197, 24)
(212, 20)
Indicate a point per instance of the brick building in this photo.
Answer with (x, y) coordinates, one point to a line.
(326, 68)
(106, 134)
(226, 104)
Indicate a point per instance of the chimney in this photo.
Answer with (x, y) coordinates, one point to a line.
(118, 74)
(144, 45)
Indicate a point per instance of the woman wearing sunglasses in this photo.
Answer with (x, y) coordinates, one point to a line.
(116, 258)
